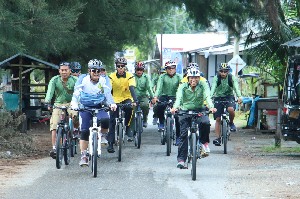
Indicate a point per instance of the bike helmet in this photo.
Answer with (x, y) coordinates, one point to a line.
(162, 69)
(224, 66)
(121, 60)
(139, 65)
(167, 63)
(170, 64)
(95, 63)
(75, 66)
(193, 72)
(192, 65)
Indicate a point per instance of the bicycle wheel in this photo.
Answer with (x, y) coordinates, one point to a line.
(66, 148)
(194, 156)
(168, 135)
(224, 129)
(120, 144)
(95, 154)
(58, 145)
(139, 130)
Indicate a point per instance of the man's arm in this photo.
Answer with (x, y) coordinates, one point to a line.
(149, 86)
(50, 90)
(213, 86)
(206, 93)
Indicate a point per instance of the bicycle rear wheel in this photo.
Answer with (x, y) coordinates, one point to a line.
(58, 145)
(168, 135)
(139, 130)
(120, 141)
(194, 155)
(224, 129)
(95, 154)
(66, 148)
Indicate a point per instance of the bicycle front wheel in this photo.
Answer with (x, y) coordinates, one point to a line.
(194, 155)
(66, 148)
(120, 141)
(139, 130)
(95, 154)
(168, 135)
(224, 129)
(58, 146)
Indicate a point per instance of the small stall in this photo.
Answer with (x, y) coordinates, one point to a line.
(19, 88)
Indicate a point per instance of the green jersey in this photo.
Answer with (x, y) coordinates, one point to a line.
(143, 86)
(224, 89)
(167, 85)
(63, 91)
(188, 99)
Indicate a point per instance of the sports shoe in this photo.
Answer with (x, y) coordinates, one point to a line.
(84, 161)
(206, 147)
(232, 127)
(145, 124)
(103, 140)
(217, 142)
(53, 153)
(155, 119)
(110, 148)
(180, 165)
(129, 139)
(204, 150)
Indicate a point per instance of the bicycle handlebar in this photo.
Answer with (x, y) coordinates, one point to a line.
(192, 113)
(123, 105)
(105, 108)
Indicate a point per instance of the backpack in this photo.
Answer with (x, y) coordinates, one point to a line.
(230, 82)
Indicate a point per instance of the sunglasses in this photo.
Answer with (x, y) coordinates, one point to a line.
(171, 68)
(95, 70)
(75, 71)
(223, 71)
(120, 66)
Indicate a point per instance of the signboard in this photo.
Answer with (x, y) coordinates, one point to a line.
(173, 54)
(236, 64)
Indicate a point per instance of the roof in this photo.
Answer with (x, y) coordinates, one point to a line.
(13, 58)
(186, 42)
(292, 43)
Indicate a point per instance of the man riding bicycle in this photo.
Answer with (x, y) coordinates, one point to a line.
(91, 91)
(222, 89)
(62, 87)
(166, 90)
(143, 90)
(191, 96)
(123, 84)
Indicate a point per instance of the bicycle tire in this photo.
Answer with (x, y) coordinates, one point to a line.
(168, 136)
(224, 135)
(95, 154)
(120, 144)
(58, 145)
(139, 130)
(66, 148)
(194, 156)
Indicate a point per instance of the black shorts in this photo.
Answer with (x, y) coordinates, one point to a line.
(220, 106)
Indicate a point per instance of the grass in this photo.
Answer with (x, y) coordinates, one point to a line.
(273, 149)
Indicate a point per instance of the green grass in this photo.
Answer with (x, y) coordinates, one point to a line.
(273, 149)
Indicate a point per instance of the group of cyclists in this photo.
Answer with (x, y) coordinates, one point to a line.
(192, 92)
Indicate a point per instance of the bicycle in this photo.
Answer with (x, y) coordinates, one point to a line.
(120, 128)
(138, 127)
(168, 134)
(94, 147)
(225, 129)
(63, 142)
(194, 145)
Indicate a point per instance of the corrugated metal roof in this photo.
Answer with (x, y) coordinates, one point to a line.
(292, 43)
(6, 61)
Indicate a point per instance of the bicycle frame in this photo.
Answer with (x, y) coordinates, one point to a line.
(138, 127)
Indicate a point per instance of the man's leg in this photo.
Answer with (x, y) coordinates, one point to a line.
(183, 142)
(54, 120)
(145, 108)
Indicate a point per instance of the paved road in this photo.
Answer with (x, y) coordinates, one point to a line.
(143, 173)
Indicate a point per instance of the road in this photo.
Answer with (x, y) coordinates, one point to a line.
(143, 173)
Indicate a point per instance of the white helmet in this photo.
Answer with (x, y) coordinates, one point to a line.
(193, 72)
(192, 65)
(95, 63)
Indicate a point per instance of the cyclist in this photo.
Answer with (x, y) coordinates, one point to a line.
(222, 88)
(91, 91)
(166, 89)
(62, 86)
(75, 68)
(191, 96)
(123, 84)
(143, 89)
(162, 71)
